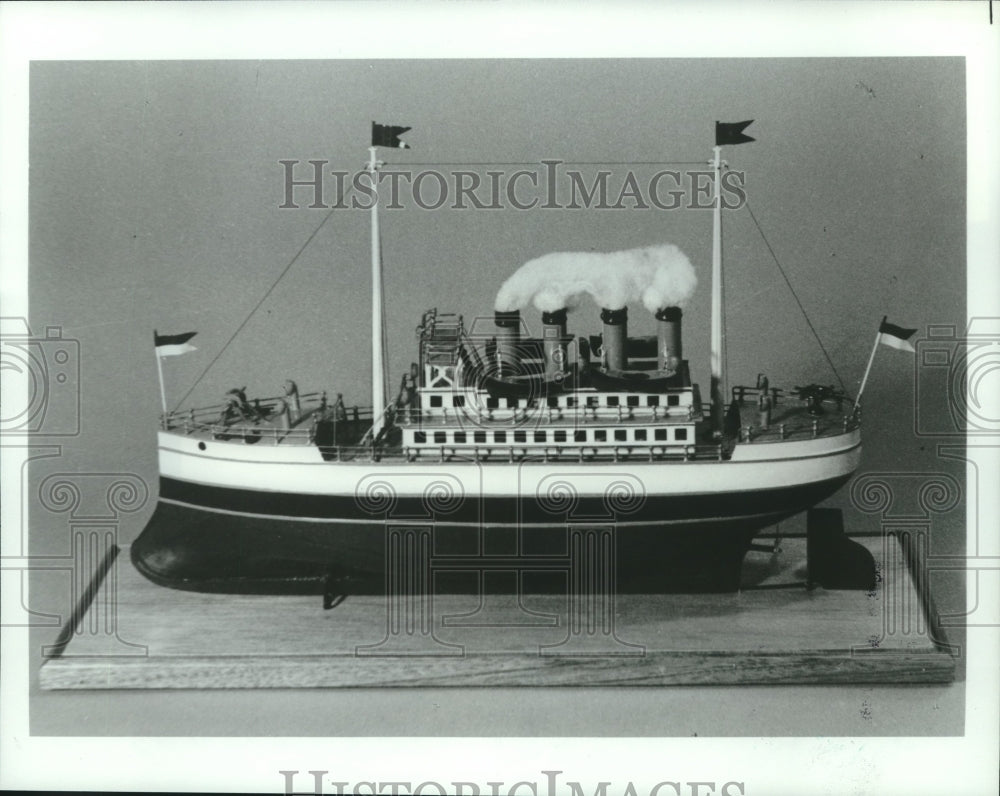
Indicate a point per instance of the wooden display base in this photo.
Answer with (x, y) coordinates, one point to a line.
(129, 633)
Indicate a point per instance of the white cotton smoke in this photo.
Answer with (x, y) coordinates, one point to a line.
(658, 276)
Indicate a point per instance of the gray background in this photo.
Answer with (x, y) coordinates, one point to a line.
(154, 202)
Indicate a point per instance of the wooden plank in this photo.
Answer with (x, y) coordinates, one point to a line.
(773, 631)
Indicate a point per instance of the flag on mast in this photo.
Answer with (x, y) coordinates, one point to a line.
(388, 135)
(172, 345)
(732, 133)
(895, 336)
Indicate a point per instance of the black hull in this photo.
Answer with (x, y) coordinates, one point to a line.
(674, 544)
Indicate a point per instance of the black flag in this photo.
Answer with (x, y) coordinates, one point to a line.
(388, 135)
(896, 331)
(895, 336)
(171, 339)
(732, 133)
(172, 345)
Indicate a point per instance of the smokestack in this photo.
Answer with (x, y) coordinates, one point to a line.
(668, 334)
(554, 342)
(615, 335)
(508, 333)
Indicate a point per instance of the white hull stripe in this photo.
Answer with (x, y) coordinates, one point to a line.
(379, 521)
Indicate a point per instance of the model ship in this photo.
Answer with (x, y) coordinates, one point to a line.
(499, 446)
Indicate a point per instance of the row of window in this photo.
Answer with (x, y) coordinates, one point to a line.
(580, 435)
(570, 401)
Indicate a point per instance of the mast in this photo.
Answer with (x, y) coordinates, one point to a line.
(378, 308)
(726, 133)
(716, 358)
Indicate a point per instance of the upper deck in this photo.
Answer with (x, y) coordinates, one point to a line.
(528, 432)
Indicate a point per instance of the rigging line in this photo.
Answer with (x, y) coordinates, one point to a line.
(246, 320)
(795, 296)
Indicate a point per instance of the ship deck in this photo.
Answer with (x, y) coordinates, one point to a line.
(790, 420)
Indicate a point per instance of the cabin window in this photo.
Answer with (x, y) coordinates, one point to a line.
(436, 400)
(640, 435)
(620, 435)
(632, 400)
(492, 403)
(612, 400)
(539, 436)
(559, 436)
(660, 435)
(520, 436)
(440, 437)
(460, 437)
(600, 435)
(673, 400)
(591, 400)
(680, 433)
(552, 401)
(458, 401)
(419, 437)
(499, 436)
(579, 435)
(479, 436)
(652, 400)
(571, 401)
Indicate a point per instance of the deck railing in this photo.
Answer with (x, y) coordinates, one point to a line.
(260, 425)
(206, 414)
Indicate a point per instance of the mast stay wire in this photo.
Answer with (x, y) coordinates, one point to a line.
(791, 289)
(256, 307)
